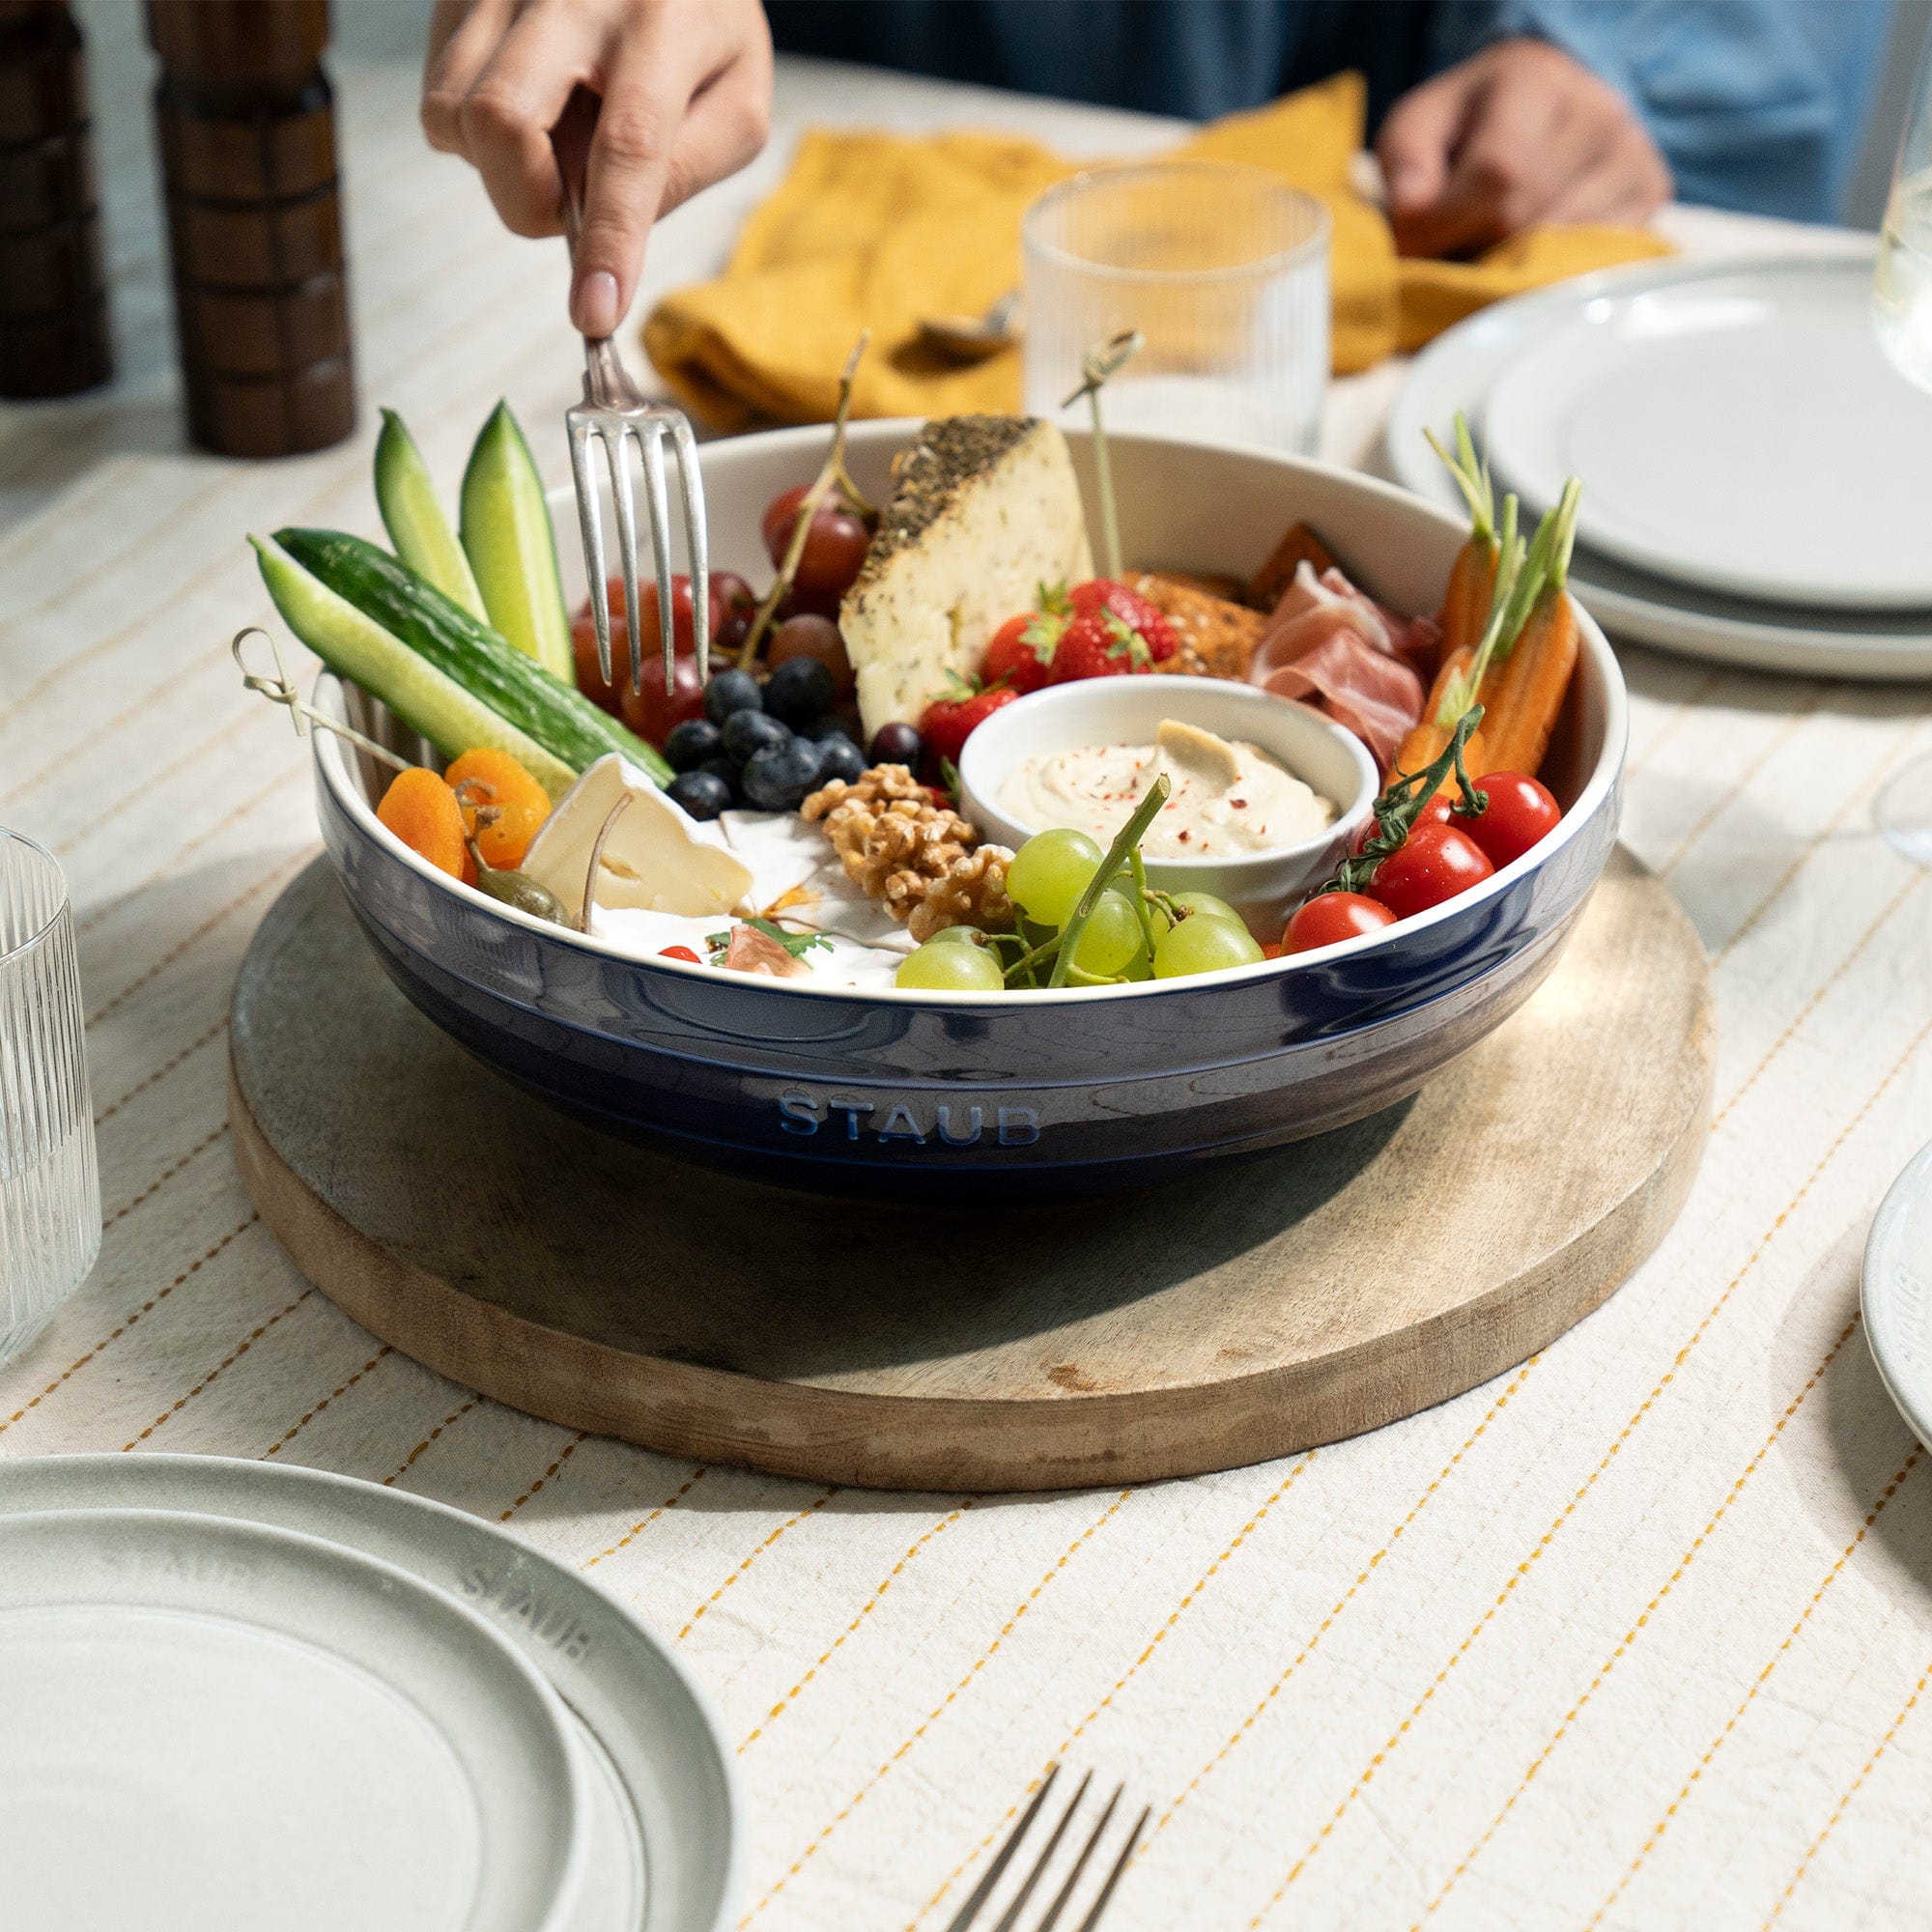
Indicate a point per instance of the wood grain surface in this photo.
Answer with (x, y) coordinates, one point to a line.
(1270, 1304)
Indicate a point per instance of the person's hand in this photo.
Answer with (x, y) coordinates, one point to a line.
(1516, 134)
(686, 88)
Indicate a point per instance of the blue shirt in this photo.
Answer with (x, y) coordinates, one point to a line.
(1757, 104)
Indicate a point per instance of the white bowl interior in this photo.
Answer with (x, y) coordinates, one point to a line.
(1190, 506)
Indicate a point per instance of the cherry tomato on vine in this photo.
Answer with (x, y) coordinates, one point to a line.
(1333, 917)
(1520, 813)
(1435, 863)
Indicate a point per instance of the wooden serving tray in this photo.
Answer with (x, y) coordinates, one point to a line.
(1245, 1312)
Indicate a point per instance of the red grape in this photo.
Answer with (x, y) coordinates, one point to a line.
(835, 546)
(808, 635)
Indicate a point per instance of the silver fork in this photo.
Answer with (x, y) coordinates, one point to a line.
(968, 1914)
(613, 411)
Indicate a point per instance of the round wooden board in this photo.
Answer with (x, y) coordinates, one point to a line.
(1241, 1313)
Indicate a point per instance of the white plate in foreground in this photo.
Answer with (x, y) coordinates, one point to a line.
(1457, 371)
(213, 1726)
(1896, 1294)
(665, 1816)
(1742, 432)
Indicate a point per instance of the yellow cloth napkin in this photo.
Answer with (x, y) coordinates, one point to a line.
(875, 231)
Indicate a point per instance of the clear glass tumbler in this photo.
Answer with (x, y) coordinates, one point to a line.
(1224, 269)
(49, 1189)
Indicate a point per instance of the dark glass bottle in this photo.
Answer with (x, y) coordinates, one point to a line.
(246, 126)
(53, 294)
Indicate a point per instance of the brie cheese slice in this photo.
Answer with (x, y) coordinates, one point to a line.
(656, 859)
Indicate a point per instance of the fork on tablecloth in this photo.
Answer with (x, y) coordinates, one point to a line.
(613, 411)
(968, 1914)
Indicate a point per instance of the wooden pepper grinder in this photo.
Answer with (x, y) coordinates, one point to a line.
(246, 124)
(53, 295)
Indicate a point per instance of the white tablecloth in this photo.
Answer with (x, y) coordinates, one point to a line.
(1636, 1636)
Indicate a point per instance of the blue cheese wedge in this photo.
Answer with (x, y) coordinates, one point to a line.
(656, 859)
(984, 510)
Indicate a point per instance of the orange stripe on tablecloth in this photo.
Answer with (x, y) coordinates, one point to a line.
(340, 479)
(1772, 746)
(866, 1609)
(637, 1529)
(1160, 1637)
(810, 1509)
(1859, 794)
(1522, 1569)
(408, 1462)
(172, 863)
(933, 1716)
(273, 877)
(167, 1173)
(1810, 1006)
(1342, 1601)
(121, 1328)
(162, 1071)
(227, 1361)
(569, 1450)
(1703, 1764)
(1851, 1791)
(290, 1433)
(1676, 716)
(237, 722)
(1629, 1636)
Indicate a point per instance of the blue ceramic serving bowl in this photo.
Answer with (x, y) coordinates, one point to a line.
(906, 1092)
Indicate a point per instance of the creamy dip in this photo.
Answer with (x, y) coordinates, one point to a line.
(1229, 799)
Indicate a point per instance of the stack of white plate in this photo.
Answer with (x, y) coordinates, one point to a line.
(1757, 478)
(234, 1695)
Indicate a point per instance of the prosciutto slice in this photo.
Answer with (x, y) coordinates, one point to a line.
(1331, 646)
(1377, 697)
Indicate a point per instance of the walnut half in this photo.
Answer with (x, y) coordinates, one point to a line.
(920, 861)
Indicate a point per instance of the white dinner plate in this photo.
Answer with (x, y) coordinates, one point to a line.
(209, 1725)
(1896, 1294)
(667, 1817)
(1456, 372)
(1742, 432)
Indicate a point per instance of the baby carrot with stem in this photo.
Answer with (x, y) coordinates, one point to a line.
(1531, 682)
(1466, 601)
(1431, 731)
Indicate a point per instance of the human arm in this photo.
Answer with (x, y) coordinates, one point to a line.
(686, 91)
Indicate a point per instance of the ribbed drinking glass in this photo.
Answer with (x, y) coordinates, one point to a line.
(49, 1189)
(1223, 268)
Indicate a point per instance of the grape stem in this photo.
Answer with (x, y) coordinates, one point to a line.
(830, 475)
(1126, 840)
(1096, 367)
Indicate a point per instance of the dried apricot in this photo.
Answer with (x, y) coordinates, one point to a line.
(422, 811)
(490, 777)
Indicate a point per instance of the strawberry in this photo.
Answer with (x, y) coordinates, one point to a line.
(1021, 651)
(946, 723)
(1102, 593)
(1098, 644)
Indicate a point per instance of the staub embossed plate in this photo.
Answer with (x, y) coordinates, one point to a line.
(901, 1092)
(660, 1796)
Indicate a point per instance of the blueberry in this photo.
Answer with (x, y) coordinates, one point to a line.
(702, 794)
(688, 745)
(729, 692)
(726, 772)
(779, 778)
(839, 758)
(896, 744)
(823, 727)
(748, 731)
(799, 690)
